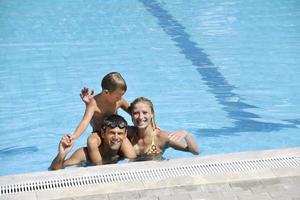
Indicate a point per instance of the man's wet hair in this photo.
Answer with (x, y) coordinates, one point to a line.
(113, 121)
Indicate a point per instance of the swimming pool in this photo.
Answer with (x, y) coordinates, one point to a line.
(225, 71)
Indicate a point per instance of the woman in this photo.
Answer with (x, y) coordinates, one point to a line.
(148, 140)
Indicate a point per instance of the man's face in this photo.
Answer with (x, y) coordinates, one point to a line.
(113, 137)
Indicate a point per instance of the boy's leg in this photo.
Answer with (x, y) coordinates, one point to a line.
(127, 149)
(93, 143)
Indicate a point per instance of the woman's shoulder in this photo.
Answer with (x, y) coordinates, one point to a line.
(162, 138)
(161, 133)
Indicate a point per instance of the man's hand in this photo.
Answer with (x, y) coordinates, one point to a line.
(86, 95)
(65, 145)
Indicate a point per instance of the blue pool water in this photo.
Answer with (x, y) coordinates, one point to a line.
(226, 71)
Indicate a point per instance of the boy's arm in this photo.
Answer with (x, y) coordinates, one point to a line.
(124, 105)
(191, 145)
(127, 149)
(93, 144)
(89, 112)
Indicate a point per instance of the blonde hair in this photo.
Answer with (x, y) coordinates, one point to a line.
(113, 81)
(149, 103)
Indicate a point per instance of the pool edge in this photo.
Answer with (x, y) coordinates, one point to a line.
(213, 175)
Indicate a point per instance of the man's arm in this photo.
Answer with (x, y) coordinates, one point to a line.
(78, 156)
(64, 147)
(58, 162)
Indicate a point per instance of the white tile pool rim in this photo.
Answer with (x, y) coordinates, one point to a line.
(104, 179)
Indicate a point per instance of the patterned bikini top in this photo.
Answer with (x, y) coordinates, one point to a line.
(153, 149)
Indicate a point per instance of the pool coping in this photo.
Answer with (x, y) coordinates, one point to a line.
(145, 182)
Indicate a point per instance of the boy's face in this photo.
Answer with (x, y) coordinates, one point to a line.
(113, 137)
(116, 95)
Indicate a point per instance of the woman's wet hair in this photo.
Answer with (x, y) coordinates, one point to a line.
(113, 81)
(113, 121)
(149, 103)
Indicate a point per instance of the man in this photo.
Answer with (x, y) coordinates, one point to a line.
(113, 132)
(107, 102)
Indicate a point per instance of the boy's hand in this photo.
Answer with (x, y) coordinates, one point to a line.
(73, 137)
(66, 140)
(86, 95)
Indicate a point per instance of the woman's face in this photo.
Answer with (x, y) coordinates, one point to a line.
(141, 115)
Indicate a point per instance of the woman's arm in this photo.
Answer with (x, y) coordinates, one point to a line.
(190, 145)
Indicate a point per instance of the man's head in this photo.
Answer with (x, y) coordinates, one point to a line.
(114, 131)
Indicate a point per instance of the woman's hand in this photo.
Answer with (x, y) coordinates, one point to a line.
(190, 144)
(178, 135)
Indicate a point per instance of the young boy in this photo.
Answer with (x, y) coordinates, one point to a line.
(113, 132)
(107, 102)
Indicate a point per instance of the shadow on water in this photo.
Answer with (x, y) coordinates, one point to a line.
(245, 125)
(218, 85)
(14, 150)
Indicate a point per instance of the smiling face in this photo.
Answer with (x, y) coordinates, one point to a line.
(113, 137)
(141, 115)
(113, 131)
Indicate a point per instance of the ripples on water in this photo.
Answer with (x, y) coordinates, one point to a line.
(225, 71)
